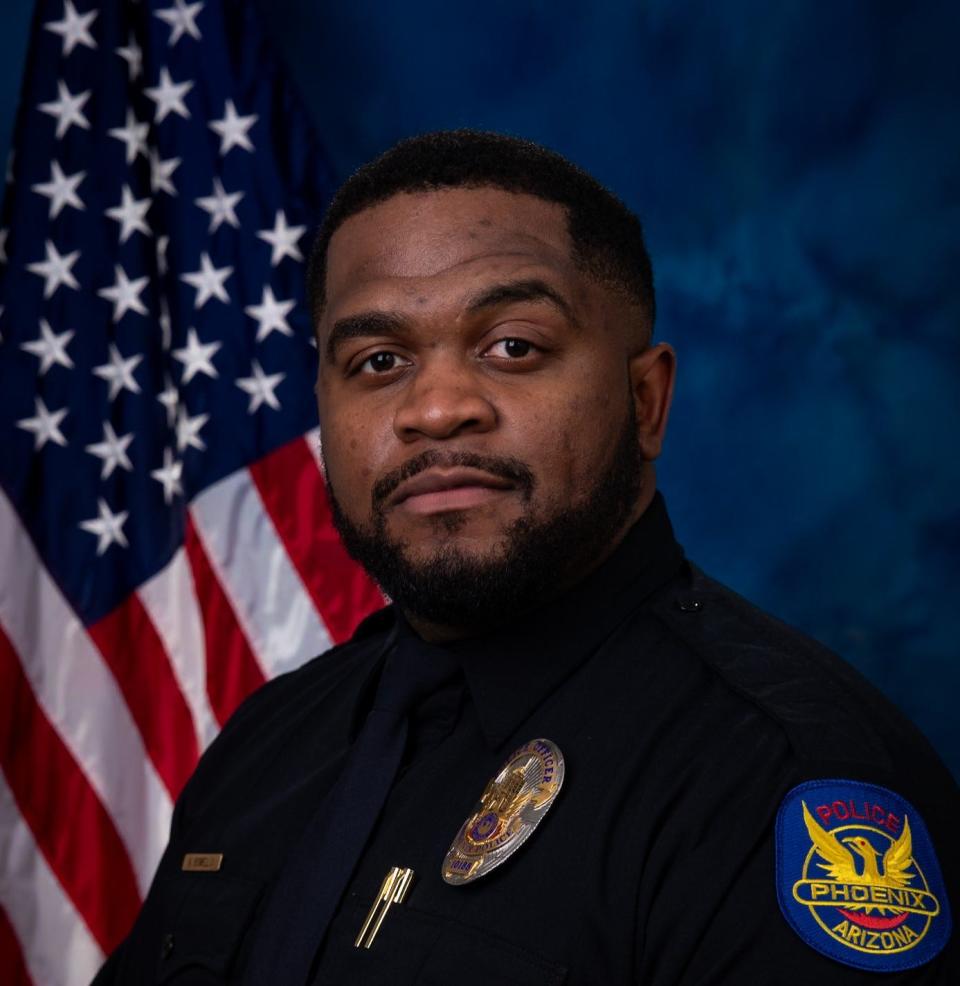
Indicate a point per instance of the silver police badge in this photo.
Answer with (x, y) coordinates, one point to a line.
(510, 808)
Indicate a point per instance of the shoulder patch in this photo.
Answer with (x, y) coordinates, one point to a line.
(857, 878)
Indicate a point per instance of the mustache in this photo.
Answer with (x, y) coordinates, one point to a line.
(513, 470)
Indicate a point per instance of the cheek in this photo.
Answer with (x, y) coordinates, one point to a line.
(569, 442)
(350, 454)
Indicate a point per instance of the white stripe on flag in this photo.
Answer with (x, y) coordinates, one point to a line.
(251, 563)
(170, 600)
(80, 697)
(57, 947)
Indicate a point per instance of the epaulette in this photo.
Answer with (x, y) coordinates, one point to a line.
(827, 709)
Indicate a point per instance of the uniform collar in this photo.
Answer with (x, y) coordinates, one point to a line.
(510, 671)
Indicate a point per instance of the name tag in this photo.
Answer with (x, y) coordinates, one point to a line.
(208, 862)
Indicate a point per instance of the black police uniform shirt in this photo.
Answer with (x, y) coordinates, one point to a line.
(684, 715)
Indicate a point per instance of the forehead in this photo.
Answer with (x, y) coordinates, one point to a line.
(449, 236)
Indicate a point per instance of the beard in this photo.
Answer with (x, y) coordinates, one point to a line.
(538, 557)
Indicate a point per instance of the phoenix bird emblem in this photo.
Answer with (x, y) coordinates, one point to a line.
(840, 862)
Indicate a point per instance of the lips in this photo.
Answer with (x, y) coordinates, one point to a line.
(453, 488)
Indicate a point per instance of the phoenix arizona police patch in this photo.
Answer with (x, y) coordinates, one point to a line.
(857, 878)
(510, 808)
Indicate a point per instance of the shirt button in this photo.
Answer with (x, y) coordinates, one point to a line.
(689, 605)
(166, 946)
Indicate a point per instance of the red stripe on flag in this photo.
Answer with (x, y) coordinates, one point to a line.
(68, 821)
(232, 668)
(133, 651)
(11, 956)
(295, 497)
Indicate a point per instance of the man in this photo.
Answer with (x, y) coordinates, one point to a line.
(563, 754)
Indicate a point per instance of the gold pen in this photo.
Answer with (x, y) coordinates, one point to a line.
(393, 890)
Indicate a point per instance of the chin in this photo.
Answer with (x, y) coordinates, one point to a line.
(430, 546)
(473, 531)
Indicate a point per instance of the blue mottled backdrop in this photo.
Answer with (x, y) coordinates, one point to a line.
(797, 167)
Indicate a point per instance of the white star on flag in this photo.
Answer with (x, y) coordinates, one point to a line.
(130, 214)
(232, 129)
(282, 239)
(133, 56)
(168, 97)
(125, 294)
(55, 270)
(260, 386)
(270, 314)
(74, 29)
(169, 398)
(182, 19)
(68, 109)
(134, 136)
(119, 372)
(61, 190)
(160, 172)
(50, 348)
(45, 425)
(208, 281)
(169, 476)
(220, 205)
(108, 526)
(188, 430)
(112, 451)
(196, 357)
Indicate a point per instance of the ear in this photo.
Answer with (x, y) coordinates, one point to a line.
(652, 374)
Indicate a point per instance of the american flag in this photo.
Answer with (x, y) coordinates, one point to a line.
(165, 538)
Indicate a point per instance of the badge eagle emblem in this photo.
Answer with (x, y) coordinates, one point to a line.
(510, 808)
(857, 876)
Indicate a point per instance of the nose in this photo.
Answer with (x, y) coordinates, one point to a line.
(443, 401)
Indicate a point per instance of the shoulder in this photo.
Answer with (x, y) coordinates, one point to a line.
(825, 708)
(802, 759)
(813, 722)
(291, 707)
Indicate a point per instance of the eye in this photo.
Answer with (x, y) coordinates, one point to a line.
(381, 362)
(511, 348)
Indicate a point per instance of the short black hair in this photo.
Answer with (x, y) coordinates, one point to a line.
(607, 237)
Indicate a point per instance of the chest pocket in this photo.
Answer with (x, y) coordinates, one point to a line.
(419, 948)
(201, 944)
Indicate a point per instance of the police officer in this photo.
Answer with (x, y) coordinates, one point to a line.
(563, 754)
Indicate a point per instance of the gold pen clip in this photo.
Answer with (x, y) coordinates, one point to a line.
(392, 891)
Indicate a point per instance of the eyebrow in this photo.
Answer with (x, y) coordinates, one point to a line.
(366, 325)
(532, 289)
(361, 326)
